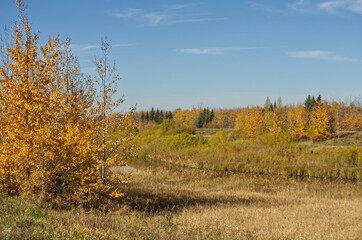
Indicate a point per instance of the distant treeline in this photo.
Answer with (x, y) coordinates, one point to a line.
(315, 119)
(155, 116)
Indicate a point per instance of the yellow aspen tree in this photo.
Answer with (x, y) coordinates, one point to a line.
(297, 121)
(276, 123)
(221, 117)
(240, 120)
(27, 95)
(113, 147)
(322, 122)
(352, 119)
(185, 120)
(75, 131)
(268, 120)
(301, 125)
(50, 122)
(253, 122)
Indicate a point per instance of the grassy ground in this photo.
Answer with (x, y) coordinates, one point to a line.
(171, 203)
(270, 153)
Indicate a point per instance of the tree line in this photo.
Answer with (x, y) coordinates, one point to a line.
(315, 119)
(155, 116)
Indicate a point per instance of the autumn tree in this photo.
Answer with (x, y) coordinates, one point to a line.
(107, 79)
(52, 125)
(267, 105)
(297, 121)
(322, 122)
(28, 98)
(253, 125)
(240, 121)
(186, 120)
(352, 117)
(276, 121)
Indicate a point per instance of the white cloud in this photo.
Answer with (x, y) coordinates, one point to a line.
(298, 5)
(304, 6)
(154, 19)
(86, 47)
(171, 14)
(196, 20)
(216, 51)
(347, 5)
(311, 7)
(128, 13)
(182, 6)
(264, 7)
(322, 55)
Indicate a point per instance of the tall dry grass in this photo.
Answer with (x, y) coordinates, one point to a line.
(171, 203)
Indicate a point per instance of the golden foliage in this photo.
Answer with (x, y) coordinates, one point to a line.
(297, 121)
(275, 127)
(322, 128)
(186, 120)
(50, 124)
(253, 125)
(352, 119)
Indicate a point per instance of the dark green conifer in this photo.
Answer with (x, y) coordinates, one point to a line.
(152, 114)
(143, 116)
(157, 116)
(147, 117)
(212, 115)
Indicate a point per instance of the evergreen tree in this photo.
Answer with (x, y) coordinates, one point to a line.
(212, 115)
(157, 116)
(147, 117)
(201, 119)
(152, 114)
(206, 116)
(271, 108)
(308, 103)
(161, 116)
(143, 116)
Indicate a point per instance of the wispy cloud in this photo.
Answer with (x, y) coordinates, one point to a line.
(264, 7)
(322, 55)
(196, 20)
(155, 19)
(216, 51)
(346, 5)
(86, 47)
(127, 13)
(310, 7)
(171, 14)
(182, 6)
(299, 5)
(304, 6)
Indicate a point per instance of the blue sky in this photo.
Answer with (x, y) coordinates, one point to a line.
(221, 54)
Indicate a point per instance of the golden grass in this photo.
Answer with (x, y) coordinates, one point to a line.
(166, 203)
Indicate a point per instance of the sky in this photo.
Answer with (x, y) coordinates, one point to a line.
(212, 53)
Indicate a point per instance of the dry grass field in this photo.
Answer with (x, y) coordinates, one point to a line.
(168, 203)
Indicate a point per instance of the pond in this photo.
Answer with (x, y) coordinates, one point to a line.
(128, 168)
